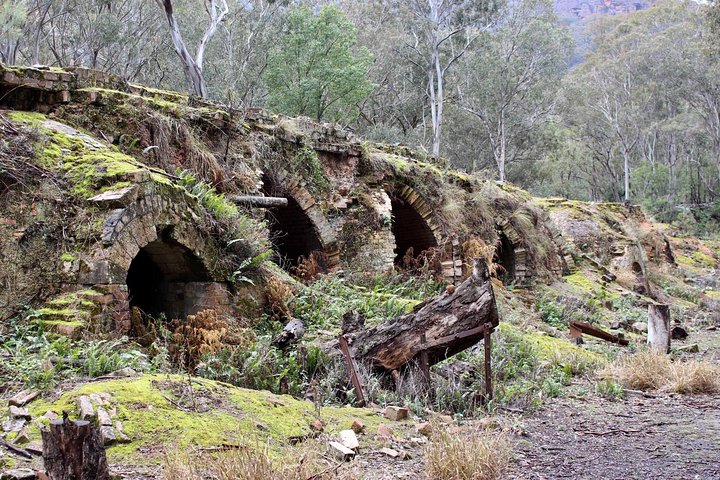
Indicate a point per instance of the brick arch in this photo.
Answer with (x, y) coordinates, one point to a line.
(153, 244)
(155, 218)
(285, 185)
(511, 251)
(417, 227)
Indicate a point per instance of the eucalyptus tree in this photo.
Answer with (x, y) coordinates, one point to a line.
(442, 32)
(193, 63)
(316, 69)
(509, 78)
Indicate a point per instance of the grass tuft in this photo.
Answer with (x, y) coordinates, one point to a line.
(650, 370)
(478, 455)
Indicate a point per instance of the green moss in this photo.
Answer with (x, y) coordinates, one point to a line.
(31, 118)
(553, 350)
(67, 257)
(585, 284)
(236, 415)
(704, 259)
(713, 294)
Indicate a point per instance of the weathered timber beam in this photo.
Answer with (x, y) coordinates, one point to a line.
(578, 328)
(259, 202)
(442, 327)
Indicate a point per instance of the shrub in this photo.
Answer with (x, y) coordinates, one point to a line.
(478, 455)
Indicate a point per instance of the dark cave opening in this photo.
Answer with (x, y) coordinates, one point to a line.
(410, 230)
(292, 233)
(505, 259)
(161, 277)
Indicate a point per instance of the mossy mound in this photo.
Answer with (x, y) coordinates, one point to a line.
(161, 413)
(552, 350)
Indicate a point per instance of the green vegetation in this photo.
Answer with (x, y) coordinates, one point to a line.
(150, 419)
(316, 69)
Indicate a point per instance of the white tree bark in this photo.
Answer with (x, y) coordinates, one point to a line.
(659, 327)
(192, 66)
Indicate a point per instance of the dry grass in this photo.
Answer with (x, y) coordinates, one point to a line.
(649, 370)
(478, 455)
(256, 463)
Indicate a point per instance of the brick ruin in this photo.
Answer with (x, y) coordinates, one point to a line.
(152, 254)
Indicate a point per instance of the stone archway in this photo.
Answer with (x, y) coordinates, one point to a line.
(155, 257)
(412, 225)
(510, 254)
(165, 278)
(301, 228)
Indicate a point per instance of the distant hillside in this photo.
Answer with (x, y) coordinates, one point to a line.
(578, 13)
(582, 9)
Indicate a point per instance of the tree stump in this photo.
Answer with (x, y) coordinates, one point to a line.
(659, 327)
(74, 451)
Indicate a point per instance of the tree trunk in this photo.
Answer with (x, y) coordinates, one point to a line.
(450, 323)
(659, 327)
(74, 451)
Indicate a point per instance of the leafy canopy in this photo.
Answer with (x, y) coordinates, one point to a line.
(317, 71)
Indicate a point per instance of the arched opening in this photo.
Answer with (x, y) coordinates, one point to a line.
(636, 268)
(505, 258)
(162, 279)
(410, 229)
(292, 233)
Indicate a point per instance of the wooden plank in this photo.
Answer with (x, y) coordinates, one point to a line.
(352, 369)
(577, 328)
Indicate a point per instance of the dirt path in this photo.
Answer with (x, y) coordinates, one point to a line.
(665, 437)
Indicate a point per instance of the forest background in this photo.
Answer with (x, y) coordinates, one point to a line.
(589, 102)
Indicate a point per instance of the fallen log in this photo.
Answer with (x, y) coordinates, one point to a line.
(450, 323)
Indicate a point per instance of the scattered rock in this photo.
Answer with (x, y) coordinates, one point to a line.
(424, 428)
(384, 431)
(13, 425)
(42, 475)
(107, 434)
(104, 417)
(417, 441)
(19, 474)
(85, 408)
(678, 333)
(348, 438)
(340, 451)
(117, 198)
(22, 437)
(19, 412)
(35, 448)
(390, 452)
(640, 327)
(123, 373)
(357, 426)
(120, 433)
(711, 328)
(317, 425)
(693, 348)
(615, 326)
(488, 423)
(396, 413)
(439, 416)
(100, 398)
(51, 415)
(22, 398)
